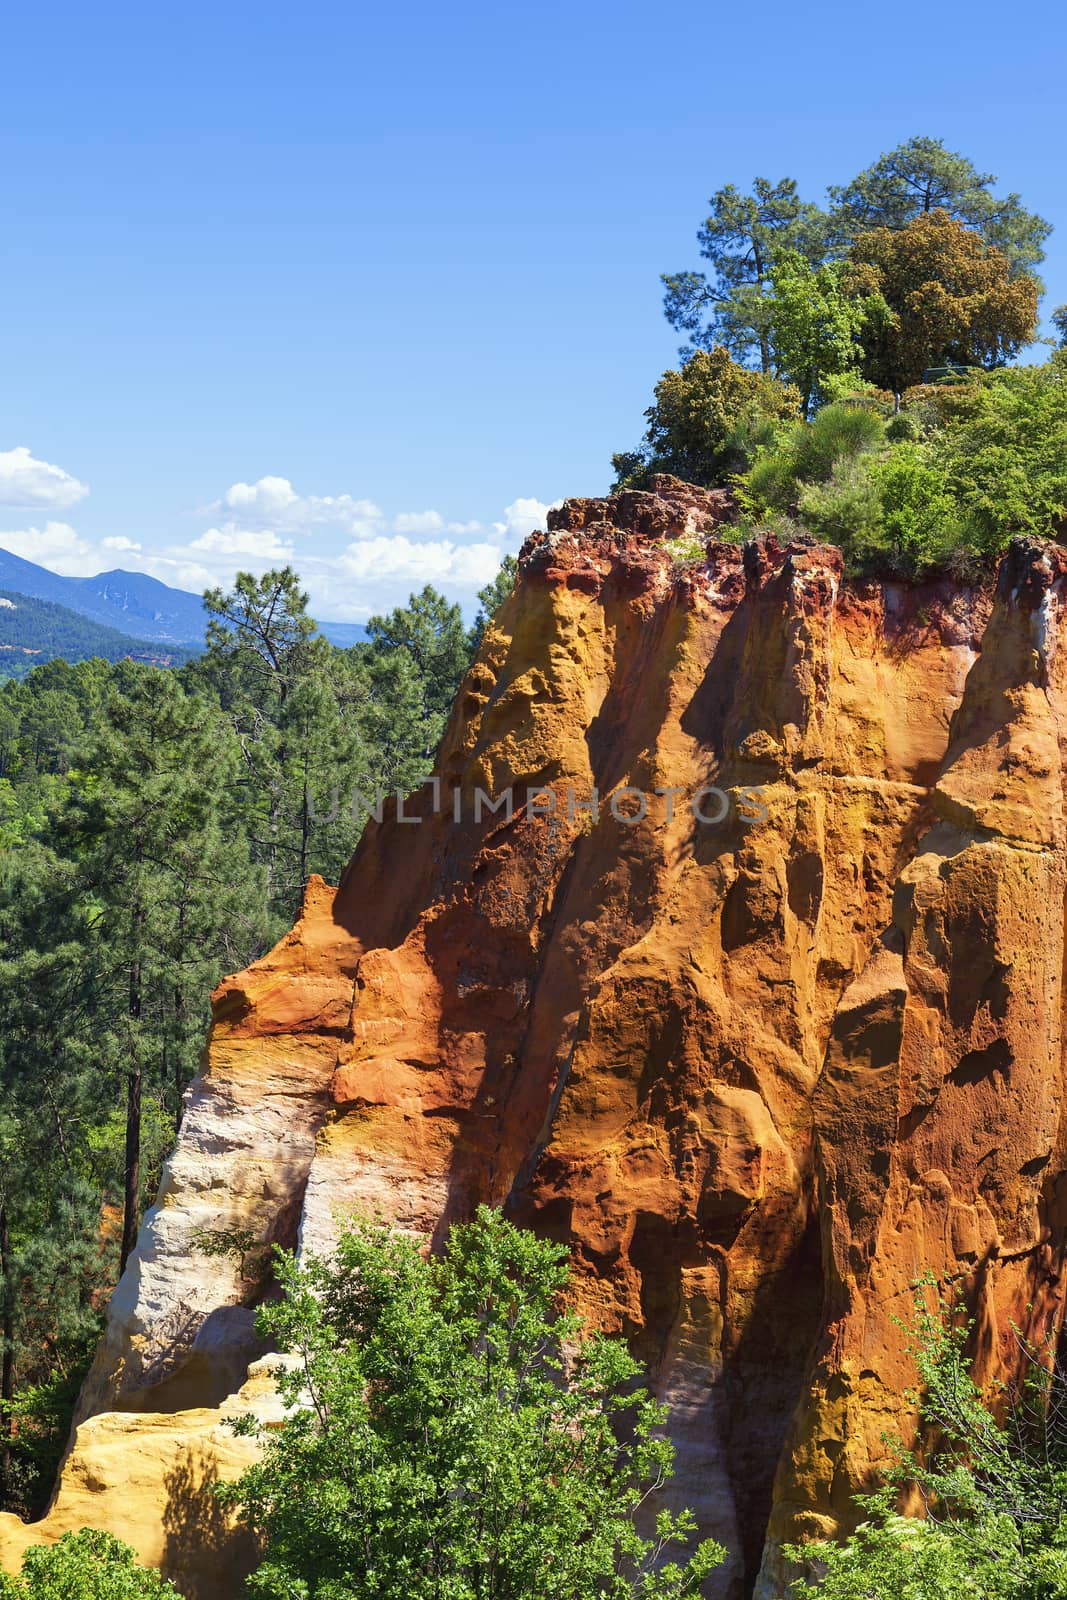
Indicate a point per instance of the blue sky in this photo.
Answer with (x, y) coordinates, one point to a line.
(401, 260)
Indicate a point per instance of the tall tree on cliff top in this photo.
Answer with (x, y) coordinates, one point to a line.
(739, 238)
(922, 176)
(952, 297)
(743, 235)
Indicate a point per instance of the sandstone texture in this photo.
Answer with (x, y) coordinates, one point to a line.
(761, 1063)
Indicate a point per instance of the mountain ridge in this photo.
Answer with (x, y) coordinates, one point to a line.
(136, 604)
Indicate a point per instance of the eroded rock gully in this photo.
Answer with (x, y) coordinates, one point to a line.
(759, 1074)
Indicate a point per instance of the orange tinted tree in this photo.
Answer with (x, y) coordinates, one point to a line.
(952, 297)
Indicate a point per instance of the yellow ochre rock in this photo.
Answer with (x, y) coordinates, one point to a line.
(765, 1034)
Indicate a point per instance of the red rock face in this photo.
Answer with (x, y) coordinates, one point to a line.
(759, 1072)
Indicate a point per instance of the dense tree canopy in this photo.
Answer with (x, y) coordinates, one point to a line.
(453, 1431)
(754, 300)
(824, 319)
(432, 633)
(922, 176)
(156, 830)
(952, 299)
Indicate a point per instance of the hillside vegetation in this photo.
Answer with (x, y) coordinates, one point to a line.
(34, 631)
(849, 370)
(157, 829)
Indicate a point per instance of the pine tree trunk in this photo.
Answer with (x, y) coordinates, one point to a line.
(7, 1374)
(179, 1026)
(131, 1204)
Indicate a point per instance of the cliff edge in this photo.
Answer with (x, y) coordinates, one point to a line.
(725, 945)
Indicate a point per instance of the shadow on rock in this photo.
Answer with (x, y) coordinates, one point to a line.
(205, 1555)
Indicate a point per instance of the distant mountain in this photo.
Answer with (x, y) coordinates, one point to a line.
(137, 605)
(32, 631)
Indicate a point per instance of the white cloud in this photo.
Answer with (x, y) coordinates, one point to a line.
(521, 517)
(55, 546)
(262, 545)
(272, 502)
(25, 481)
(268, 497)
(417, 522)
(353, 558)
(437, 561)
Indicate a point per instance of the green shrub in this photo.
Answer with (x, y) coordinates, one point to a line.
(89, 1565)
(844, 508)
(811, 453)
(452, 1432)
(708, 422)
(993, 1491)
(1004, 461)
(918, 526)
(891, 1557)
(944, 484)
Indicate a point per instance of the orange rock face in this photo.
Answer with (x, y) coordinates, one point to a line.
(762, 1039)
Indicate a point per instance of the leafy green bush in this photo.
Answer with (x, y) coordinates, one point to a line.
(707, 422)
(945, 483)
(440, 1442)
(1004, 460)
(994, 1491)
(918, 523)
(89, 1565)
(903, 1558)
(810, 453)
(844, 508)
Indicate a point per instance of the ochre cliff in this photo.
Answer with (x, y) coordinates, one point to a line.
(760, 1073)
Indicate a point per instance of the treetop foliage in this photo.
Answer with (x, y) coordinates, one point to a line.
(848, 369)
(452, 1432)
(88, 1565)
(951, 299)
(744, 236)
(922, 176)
